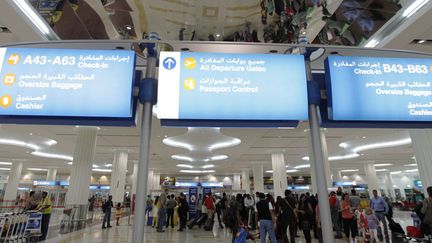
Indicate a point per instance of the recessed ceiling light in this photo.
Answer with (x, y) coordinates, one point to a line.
(5, 169)
(421, 41)
(302, 166)
(108, 165)
(52, 155)
(218, 35)
(381, 165)
(291, 171)
(37, 169)
(197, 171)
(95, 166)
(5, 163)
(381, 170)
(411, 171)
(395, 172)
(207, 166)
(411, 164)
(350, 170)
(69, 163)
(219, 157)
(269, 171)
(184, 166)
(102, 170)
(364, 137)
(182, 157)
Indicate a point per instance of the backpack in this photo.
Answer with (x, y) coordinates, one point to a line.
(229, 216)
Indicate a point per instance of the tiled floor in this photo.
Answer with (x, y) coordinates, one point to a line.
(123, 233)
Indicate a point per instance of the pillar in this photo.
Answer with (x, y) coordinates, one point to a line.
(245, 181)
(156, 181)
(337, 175)
(422, 143)
(236, 183)
(327, 170)
(389, 185)
(258, 177)
(81, 170)
(51, 174)
(134, 177)
(13, 182)
(118, 176)
(371, 177)
(150, 179)
(279, 174)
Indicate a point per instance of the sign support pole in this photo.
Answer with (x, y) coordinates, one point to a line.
(143, 164)
(318, 159)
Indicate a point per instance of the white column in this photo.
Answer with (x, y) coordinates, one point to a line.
(245, 181)
(13, 181)
(118, 176)
(81, 170)
(325, 160)
(156, 181)
(51, 174)
(422, 144)
(337, 175)
(371, 177)
(236, 183)
(279, 174)
(258, 177)
(150, 179)
(134, 177)
(388, 181)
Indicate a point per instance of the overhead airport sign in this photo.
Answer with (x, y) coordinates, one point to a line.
(379, 89)
(66, 82)
(221, 86)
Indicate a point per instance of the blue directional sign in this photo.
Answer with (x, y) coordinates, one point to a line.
(169, 63)
(379, 89)
(66, 83)
(240, 87)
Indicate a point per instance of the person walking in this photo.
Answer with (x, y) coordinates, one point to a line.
(162, 211)
(200, 203)
(209, 203)
(155, 213)
(266, 219)
(348, 217)
(106, 209)
(183, 210)
(170, 205)
(118, 213)
(287, 217)
(380, 208)
(149, 203)
(355, 204)
(305, 216)
(249, 205)
(45, 208)
(32, 202)
(334, 211)
(426, 210)
(372, 223)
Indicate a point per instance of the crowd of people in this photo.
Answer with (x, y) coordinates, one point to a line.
(260, 216)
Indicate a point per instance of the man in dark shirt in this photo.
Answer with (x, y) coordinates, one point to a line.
(106, 208)
(182, 211)
(288, 217)
(170, 205)
(266, 219)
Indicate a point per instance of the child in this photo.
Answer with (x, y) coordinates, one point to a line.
(373, 224)
(118, 213)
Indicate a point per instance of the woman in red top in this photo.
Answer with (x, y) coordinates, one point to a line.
(209, 203)
(348, 217)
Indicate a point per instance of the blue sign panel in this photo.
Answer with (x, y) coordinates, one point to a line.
(379, 89)
(66, 83)
(193, 199)
(235, 87)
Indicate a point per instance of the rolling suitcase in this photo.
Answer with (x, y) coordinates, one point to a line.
(196, 221)
(208, 224)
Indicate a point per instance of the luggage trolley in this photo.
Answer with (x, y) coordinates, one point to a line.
(12, 227)
(32, 229)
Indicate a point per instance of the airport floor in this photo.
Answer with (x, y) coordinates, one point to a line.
(123, 234)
